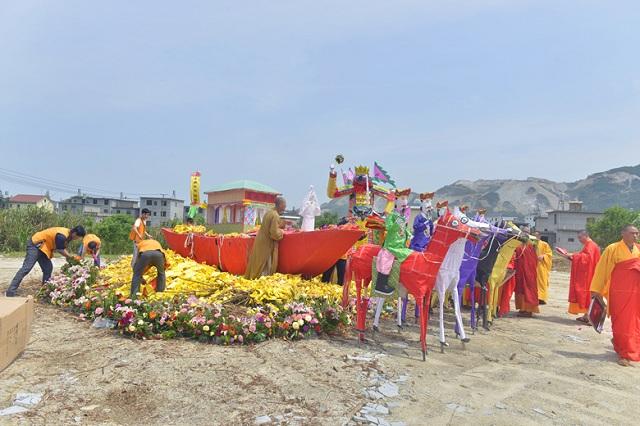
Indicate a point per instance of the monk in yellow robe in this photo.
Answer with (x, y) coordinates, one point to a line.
(264, 255)
(617, 253)
(545, 259)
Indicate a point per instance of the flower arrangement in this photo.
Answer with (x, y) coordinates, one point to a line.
(222, 309)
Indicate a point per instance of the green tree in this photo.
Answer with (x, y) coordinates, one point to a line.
(326, 218)
(114, 233)
(607, 229)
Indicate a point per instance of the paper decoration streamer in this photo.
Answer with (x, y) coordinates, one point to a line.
(194, 190)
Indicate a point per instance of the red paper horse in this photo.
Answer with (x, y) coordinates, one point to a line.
(417, 273)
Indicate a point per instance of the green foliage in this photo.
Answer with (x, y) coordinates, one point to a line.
(18, 225)
(326, 218)
(199, 219)
(114, 233)
(607, 229)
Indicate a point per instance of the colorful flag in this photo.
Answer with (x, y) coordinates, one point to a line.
(348, 176)
(381, 175)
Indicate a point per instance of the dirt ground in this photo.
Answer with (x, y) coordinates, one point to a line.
(545, 370)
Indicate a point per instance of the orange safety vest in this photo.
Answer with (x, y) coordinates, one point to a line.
(90, 238)
(148, 245)
(46, 239)
(141, 230)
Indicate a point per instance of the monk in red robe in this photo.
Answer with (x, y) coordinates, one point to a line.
(526, 263)
(507, 289)
(583, 266)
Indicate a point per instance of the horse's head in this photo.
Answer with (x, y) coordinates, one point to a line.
(459, 212)
(513, 231)
(455, 228)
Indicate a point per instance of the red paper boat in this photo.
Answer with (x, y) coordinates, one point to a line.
(305, 253)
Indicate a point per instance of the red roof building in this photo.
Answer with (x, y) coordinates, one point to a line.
(26, 200)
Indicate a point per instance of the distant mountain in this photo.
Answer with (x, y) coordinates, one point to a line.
(620, 186)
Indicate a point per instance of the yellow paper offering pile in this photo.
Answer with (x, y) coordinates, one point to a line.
(187, 277)
(186, 229)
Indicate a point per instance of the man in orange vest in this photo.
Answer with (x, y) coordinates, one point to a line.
(40, 249)
(149, 254)
(91, 245)
(139, 232)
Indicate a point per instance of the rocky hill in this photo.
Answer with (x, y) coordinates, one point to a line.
(620, 186)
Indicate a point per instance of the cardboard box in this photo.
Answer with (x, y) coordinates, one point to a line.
(16, 317)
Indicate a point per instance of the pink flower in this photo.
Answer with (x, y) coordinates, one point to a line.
(198, 320)
(127, 302)
(252, 327)
(240, 338)
(99, 311)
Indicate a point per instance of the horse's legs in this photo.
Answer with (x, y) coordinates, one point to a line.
(484, 304)
(379, 306)
(402, 303)
(441, 296)
(472, 288)
(459, 287)
(456, 306)
(424, 302)
(493, 291)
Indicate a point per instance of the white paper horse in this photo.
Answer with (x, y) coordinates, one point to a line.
(449, 275)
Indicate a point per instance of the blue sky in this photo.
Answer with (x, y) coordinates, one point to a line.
(134, 96)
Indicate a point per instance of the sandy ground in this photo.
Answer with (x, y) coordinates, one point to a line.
(545, 370)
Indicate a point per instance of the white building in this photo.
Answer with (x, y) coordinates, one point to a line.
(163, 209)
(561, 227)
(98, 207)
